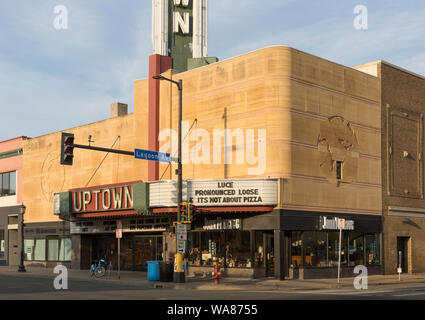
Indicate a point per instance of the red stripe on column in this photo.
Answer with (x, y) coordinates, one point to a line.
(157, 64)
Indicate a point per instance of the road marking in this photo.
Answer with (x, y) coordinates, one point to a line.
(324, 292)
(410, 294)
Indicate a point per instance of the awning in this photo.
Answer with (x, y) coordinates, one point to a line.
(107, 215)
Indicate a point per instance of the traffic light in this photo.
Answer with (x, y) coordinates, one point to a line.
(67, 149)
(183, 212)
(191, 211)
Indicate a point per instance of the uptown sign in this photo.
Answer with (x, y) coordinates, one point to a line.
(106, 198)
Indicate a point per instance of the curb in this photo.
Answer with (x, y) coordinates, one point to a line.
(207, 284)
(224, 286)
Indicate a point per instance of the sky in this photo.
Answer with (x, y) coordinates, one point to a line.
(52, 80)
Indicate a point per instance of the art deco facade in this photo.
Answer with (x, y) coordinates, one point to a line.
(311, 132)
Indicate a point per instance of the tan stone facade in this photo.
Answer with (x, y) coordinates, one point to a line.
(316, 126)
(315, 112)
(294, 96)
(403, 106)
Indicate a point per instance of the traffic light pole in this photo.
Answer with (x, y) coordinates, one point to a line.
(180, 168)
(80, 146)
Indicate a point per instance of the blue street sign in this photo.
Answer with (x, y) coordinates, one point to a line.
(153, 156)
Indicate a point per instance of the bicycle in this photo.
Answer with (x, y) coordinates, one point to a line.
(99, 270)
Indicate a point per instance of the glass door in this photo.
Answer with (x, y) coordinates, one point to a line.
(269, 254)
(402, 253)
(142, 252)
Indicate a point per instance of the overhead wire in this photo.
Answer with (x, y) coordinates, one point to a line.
(95, 171)
(190, 129)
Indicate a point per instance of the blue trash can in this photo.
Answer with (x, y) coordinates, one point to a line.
(153, 270)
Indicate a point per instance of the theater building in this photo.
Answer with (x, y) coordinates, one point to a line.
(307, 128)
(277, 146)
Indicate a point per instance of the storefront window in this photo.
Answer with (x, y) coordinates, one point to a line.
(237, 253)
(315, 249)
(333, 249)
(227, 248)
(53, 250)
(29, 249)
(296, 249)
(40, 250)
(2, 244)
(372, 249)
(65, 249)
(356, 249)
(321, 249)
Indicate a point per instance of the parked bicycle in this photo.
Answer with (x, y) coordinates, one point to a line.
(99, 270)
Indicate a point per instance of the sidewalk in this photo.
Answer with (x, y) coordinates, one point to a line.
(138, 278)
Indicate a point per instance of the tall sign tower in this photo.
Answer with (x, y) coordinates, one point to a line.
(180, 31)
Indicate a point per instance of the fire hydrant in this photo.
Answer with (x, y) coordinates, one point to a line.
(216, 274)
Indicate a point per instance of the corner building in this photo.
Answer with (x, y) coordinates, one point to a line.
(311, 140)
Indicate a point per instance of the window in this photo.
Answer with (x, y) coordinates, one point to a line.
(40, 249)
(65, 249)
(230, 248)
(8, 184)
(333, 249)
(2, 244)
(372, 249)
(356, 249)
(296, 249)
(35, 249)
(315, 249)
(339, 170)
(53, 250)
(29, 249)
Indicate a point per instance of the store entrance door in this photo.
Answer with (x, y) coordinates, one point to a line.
(14, 255)
(269, 254)
(402, 253)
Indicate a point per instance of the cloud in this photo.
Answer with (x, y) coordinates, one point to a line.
(395, 36)
(52, 80)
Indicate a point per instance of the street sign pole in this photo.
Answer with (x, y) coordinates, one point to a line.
(119, 236)
(119, 256)
(339, 256)
(341, 223)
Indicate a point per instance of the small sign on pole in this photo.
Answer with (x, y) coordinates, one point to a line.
(181, 232)
(341, 224)
(118, 233)
(181, 246)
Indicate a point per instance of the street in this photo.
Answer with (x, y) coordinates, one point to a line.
(40, 287)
